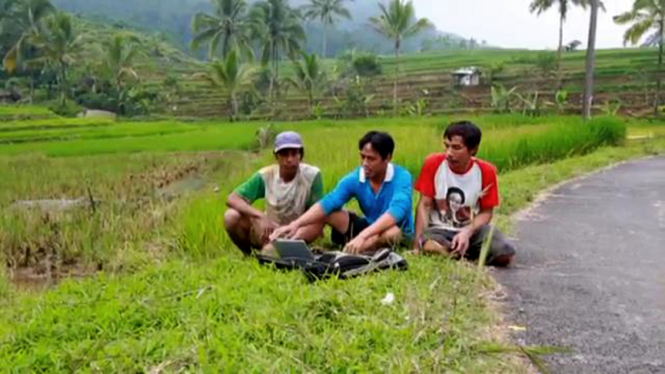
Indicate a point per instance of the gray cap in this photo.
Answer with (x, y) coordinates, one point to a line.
(288, 139)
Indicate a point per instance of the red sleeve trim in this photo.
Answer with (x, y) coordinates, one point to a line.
(490, 184)
(425, 184)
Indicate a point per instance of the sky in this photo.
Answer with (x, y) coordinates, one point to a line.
(509, 24)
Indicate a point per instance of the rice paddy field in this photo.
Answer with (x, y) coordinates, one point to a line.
(114, 258)
(623, 76)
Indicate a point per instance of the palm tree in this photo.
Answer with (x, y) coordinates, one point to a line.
(540, 6)
(590, 61)
(230, 77)
(398, 22)
(229, 25)
(121, 51)
(23, 16)
(326, 10)
(277, 26)
(58, 44)
(646, 16)
(309, 76)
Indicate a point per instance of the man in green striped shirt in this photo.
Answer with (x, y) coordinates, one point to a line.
(289, 188)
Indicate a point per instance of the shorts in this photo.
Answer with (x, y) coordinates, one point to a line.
(356, 226)
(499, 247)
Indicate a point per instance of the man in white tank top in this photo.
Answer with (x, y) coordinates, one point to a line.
(289, 188)
(458, 195)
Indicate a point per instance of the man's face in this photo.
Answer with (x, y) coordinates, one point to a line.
(373, 164)
(289, 159)
(457, 154)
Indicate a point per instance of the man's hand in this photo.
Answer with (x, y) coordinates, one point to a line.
(355, 246)
(461, 242)
(266, 228)
(287, 232)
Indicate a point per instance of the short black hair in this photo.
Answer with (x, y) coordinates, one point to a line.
(302, 152)
(381, 142)
(469, 132)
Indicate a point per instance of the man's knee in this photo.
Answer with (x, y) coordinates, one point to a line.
(310, 233)
(232, 219)
(338, 220)
(391, 236)
(503, 254)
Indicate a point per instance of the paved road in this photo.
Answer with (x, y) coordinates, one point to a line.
(590, 272)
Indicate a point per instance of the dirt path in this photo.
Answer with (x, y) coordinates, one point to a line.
(591, 272)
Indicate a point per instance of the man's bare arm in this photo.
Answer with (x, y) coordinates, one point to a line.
(243, 207)
(425, 206)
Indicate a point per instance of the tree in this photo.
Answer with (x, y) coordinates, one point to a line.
(590, 61)
(121, 51)
(277, 27)
(58, 44)
(326, 10)
(398, 22)
(229, 25)
(572, 46)
(646, 16)
(540, 6)
(309, 76)
(22, 17)
(230, 77)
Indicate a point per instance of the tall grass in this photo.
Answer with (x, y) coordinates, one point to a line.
(135, 206)
(508, 141)
(562, 139)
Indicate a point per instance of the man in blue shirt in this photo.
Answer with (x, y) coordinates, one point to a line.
(383, 191)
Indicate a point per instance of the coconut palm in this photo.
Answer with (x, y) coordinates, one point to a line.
(326, 11)
(58, 44)
(398, 22)
(121, 50)
(590, 61)
(647, 16)
(229, 25)
(24, 17)
(278, 28)
(309, 76)
(540, 6)
(230, 77)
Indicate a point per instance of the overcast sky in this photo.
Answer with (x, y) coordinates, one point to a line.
(508, 23)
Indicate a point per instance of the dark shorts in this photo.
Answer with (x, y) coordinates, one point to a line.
(500, 245)
(356, 226)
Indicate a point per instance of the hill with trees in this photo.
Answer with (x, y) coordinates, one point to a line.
(173, 19)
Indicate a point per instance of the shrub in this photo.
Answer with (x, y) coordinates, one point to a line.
(100, 101)
(69, 109)
(367, 65)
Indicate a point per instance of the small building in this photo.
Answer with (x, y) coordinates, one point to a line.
(5, 97)
(468, 76)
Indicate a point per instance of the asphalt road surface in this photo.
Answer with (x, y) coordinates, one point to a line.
(590, 272)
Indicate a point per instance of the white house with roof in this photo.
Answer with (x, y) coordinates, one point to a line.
(468, 76)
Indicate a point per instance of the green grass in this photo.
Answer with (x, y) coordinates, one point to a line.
(173, 293)
(20, 110)
(52, 124)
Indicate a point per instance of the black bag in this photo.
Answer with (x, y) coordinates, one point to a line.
(342, 265)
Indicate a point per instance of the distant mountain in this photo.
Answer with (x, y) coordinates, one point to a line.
(173, 18)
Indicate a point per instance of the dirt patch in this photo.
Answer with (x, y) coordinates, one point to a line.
(47, 274)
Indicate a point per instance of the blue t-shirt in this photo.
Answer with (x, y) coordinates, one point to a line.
(395, 196)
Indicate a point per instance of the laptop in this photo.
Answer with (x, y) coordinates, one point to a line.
(293, 250)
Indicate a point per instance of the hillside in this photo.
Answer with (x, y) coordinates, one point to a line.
(172, 18)
(624, 80)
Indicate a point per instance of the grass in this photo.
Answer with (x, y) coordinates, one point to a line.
(136, 204)
(52, 123)
(14, 110)
(173, 294)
